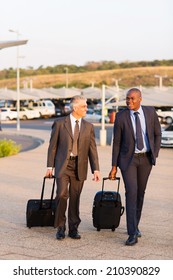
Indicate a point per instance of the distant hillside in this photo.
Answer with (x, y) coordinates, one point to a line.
(126, 78)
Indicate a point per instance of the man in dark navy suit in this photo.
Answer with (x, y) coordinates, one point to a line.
(136, 144)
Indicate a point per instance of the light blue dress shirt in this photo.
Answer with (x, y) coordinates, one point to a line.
(143, 127)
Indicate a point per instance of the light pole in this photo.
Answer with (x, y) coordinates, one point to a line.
(160, 80)
(103, 133)
(18, 81)
(92, 84)
(66, 76)
(116, 83)
(103, 130)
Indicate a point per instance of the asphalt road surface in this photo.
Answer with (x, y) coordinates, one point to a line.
(28, 142)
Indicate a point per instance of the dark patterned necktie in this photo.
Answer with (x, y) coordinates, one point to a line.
(139, 139)
(75, 138)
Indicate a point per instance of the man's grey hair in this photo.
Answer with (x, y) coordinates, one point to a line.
(75, 99)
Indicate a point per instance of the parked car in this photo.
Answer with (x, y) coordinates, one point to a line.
(165, 114)
(7, 114)
(58, 112)
(46, 108)
(27, 113)
(66, 108)
(95, 116)
(167, 137)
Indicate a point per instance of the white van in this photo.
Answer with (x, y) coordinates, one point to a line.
(46, 108)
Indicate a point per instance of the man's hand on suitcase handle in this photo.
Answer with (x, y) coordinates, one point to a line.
(49, 173)
(113, 172)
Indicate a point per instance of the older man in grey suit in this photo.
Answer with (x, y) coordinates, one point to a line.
(136, 144)
(72, 144)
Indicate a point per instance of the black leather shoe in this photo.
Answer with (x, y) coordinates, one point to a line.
(132, 240)
(60, 233)
(138, 233)
(74, 234)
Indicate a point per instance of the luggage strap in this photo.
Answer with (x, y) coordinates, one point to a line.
(42, 192)
(107, 178)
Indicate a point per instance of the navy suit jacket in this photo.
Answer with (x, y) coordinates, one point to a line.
(124, 139)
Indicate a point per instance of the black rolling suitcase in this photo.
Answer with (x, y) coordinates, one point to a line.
(107, 208)
(41, 212)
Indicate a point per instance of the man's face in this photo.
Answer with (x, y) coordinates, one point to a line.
(133, 100)
(80, 109)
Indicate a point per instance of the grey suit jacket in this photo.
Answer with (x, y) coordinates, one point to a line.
(60, 147)
(124, 139)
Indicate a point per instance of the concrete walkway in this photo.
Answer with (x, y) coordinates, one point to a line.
(21, 179)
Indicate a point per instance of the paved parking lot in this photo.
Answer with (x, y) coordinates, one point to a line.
(21, 179)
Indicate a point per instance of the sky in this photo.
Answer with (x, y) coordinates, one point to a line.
(81, 31)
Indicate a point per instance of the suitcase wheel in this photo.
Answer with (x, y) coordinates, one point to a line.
(98, 229)
(113, 228)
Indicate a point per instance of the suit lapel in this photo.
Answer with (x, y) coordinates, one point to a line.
(82, 128)
(129, 122)
(68, 126)
(69, 129)
(147, 119)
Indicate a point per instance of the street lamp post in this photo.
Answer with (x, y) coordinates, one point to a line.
(18, 82)
(103, 130)
(116, 83)
(92, 84)
(103, 133)
(160, 80)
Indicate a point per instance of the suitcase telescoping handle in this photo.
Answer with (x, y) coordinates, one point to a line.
(107, 178)
(43, 187)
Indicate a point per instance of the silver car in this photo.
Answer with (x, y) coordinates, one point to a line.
(95, 117)
(167, 137)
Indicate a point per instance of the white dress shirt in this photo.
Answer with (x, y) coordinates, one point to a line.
(73, 123)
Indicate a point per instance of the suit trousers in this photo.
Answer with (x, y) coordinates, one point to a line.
(135, 178)
(68, 188)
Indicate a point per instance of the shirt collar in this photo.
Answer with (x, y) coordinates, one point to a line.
(139, 110)
(73, 119)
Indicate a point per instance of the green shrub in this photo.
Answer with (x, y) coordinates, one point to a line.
(8, 148)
